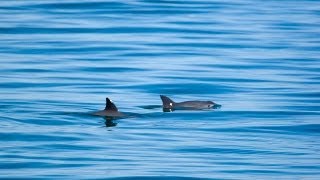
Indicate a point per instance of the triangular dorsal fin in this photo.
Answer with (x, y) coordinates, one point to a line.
(110, 106)
(167, 102)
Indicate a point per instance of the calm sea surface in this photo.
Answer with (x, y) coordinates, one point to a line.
(260, 60)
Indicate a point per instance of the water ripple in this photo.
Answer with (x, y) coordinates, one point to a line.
(60, 60)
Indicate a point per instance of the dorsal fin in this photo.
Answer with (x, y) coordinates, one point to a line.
(167, 102)
(110, 106)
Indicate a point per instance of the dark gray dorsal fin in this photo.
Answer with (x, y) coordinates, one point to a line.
(167, 102)
(110, 106)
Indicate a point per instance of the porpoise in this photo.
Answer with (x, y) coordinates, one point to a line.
(169, 104)
(109, 111)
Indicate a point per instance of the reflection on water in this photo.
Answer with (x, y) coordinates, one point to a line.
(110, 122)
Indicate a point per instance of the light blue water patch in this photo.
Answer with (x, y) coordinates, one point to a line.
(259, 59)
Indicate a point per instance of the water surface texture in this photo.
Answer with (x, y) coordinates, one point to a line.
(260, 60)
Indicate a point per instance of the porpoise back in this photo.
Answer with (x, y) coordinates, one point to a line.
(110, 110)
(167, 103)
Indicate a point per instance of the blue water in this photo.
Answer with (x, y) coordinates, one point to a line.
(260, 60)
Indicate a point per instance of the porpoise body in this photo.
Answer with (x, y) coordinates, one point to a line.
(169, 104)
(109, 111)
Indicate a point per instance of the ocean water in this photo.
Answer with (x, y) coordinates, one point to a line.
(260, 60)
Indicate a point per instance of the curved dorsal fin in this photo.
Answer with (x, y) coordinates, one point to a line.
(110, 106)
(167, 102)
